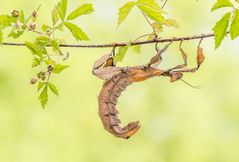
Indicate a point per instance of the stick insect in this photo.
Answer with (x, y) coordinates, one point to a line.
(118, 78)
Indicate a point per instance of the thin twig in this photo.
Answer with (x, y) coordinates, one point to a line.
(38, 32)
(200, 42)
(145, 35)
(165, 2)
(150, 24)
(174, 39)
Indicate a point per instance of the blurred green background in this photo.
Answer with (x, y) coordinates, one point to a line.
(179, 124)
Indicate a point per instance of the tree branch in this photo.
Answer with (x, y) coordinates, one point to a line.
(173, 39)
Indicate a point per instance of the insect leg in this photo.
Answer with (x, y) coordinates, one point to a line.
(184, 55)
(200, 58)
(101, 61)
(156, 60)
(178, 74)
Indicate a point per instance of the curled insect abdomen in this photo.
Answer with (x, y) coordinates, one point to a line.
(108, 99)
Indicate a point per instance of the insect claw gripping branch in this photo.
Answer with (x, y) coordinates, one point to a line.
(118, 78)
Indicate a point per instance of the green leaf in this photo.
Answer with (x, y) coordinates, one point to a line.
(40, 85)
(55, 46)
(45, 27)
(35, 50)
(22, 17)
(36, 62)
(136, 48)
(76, 31)
(156, 16)
(82, 10)
(151, 4)
(158, 27)
(44, 97)
(41, 41)
(172, 23)
(221, 3)
(49, 62)
(55, 16)
(59, 68)
(124, 11)
(151, 9)
(15, 34)
(61, 9)
(60, 27)
(6, 21)
(220, 29)
(1, 37)
(53, 88)
(234, 30)
(43, 49)
(121, 54)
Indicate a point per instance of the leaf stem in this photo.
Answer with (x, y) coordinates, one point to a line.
(164, 4)
(150, 25)
(145, 35)
(38, 32)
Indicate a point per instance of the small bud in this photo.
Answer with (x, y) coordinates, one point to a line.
(18, 25)
(34, 14)
(44, 77)
(50, 68)
(41, 75)
(48, 31)
(32, 26)
(33, 80)
(15, 13)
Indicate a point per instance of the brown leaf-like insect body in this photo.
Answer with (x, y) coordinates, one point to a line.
(110, 93)
(108, 98)
(118, 78)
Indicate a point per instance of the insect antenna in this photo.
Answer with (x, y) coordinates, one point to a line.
(192, 86)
